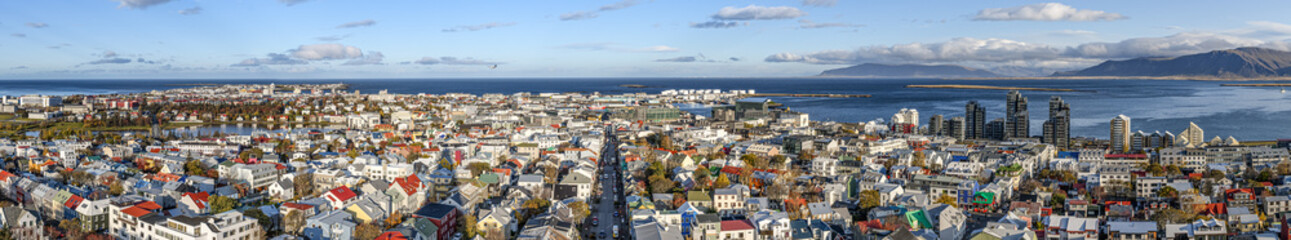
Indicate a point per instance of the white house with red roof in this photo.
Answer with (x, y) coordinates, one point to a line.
(195, 202)
(737, 229)
(339, 197)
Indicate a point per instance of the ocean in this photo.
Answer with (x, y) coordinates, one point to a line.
(1247, 113)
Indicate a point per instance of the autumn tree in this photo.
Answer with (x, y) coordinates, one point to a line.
(660, 184)
(1167, 192)
(947, 199)
(466, 226)
(722, 181)
(219, 204)
(479, 168)
(293, 222)
(703, 178)
(869, 199)
(304, 184)
(919, 159)
(581, 211)
(368, 231)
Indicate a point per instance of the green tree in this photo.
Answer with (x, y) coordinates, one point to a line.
(703, 178)
(264, 220)
(466, 226)
(660, 184)
(869, 199)
(219, 204)
(1172, 215)
(194, 167)
(1156, 169)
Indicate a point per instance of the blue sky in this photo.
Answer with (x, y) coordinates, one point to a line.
(585, 38)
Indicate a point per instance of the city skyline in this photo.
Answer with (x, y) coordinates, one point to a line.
(334, 39)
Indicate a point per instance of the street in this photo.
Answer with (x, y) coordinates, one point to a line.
(604, 206)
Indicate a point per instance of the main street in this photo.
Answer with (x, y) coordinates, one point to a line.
(606, 204)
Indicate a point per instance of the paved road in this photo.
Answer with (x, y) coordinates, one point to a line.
(611, 183)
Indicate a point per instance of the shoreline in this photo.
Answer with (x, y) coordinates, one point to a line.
(1255, 85)
(984, 87)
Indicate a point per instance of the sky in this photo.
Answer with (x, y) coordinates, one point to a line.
(206, 39)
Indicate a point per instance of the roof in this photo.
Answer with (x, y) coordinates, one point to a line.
(736, 225)
(1135, 227)
(135, 211)
(342, 193)
(435, 210)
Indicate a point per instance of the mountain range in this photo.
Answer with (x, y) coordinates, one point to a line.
(1239, 63)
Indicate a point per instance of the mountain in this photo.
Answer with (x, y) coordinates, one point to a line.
(1233, 63)
(908, 71)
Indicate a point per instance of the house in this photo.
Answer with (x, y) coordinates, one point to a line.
(195, 202)
(443, 216)
(339, 197)
(949, 221)
(329, 225)
(1067, 227)
(1132, 230)
(728, 201)
(699, 199)
(1197, 230)
(737, 230)
(775, 224)
(496, 218)
(283, 189)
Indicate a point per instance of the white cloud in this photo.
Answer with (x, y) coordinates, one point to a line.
(191, 11)
(618, 48)
(272, 59)
(819, 3)
(453, 61)
(755, 12)
(677, 59)
(958, 49)
(715, 24)
(1045, 12)
(364, 23)
(580, 15)
(372, 58)
(1168, 46)
(37, 25)
(110, 61)
(140, 4)
(326, 51)
(478, 27)
(109, 54)
(332, 38)
(291, 2)
(1070, 32)
(18, 35)
(804, 23)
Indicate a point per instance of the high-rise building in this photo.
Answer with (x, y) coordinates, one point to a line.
(974, 120)
(1017, 123)
(1193, 135)
(1138, 141)
(1057, 130)
(905, 121)
(937, 125)
(955, 127)
(995, 129)
(1120, 134)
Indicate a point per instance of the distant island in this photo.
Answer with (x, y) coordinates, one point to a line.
(633, 86)
(1234, 64)
(878, 70)
(960, 86)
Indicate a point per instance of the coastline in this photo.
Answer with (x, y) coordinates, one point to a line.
(984, 87)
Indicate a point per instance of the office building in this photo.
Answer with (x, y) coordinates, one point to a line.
(937, 125)
(1120, 134)
(1017, 123)
(995, 130)
(974, 120)
(955, 128)
(1057, 130)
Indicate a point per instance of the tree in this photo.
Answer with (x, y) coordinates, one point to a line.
(194, 167)
(1215, 174)
(869, 199)
(722, 181)
(1172, 215)
(919, 159)
(264, 220)
(303, 184)
(72, 228)
(1167, 192)
(494, 233)
(1173, 170)
(660, 184)
(368, 231)
(479, 168)
(1156, 169)
(219, 204)
(948, 200)
(581, 211)
(116, 189)
(293, 222)
(703, 178)
(466, 226)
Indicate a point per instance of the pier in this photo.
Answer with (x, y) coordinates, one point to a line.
(820, 95)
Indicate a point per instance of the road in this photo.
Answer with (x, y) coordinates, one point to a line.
(604, 204)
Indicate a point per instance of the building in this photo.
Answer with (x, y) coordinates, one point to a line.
(1186, 158)
(955, 128)
(737, 229)
(995, 129)
(40, 101)
(974, 120)
(1197, 230)
(1017, 123)
(1132, 230)
(1193, 136)
(1057, 130)
(1120, 134)
(905, 121)
(1068, 227)
(256, 175)
(443, 216)
(937, 125)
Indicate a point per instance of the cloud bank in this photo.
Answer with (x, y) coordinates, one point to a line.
(139, 4)
(472, 28)
(580, 15)
(364, 23)
(755, 12)
(1045, 12)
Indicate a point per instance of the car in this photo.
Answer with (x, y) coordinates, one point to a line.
(616, 214)
(595, 221)
(601, 235)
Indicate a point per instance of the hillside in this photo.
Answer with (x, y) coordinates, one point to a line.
(1232, 63)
